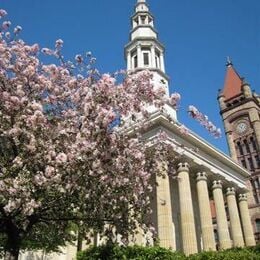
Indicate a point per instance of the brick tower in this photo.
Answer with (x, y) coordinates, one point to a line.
(240, 111)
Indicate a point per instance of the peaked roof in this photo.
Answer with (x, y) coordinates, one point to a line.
(233, 83)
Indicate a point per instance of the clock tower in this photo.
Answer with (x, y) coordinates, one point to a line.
(240, 111)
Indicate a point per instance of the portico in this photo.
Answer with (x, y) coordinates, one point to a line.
(205, 198)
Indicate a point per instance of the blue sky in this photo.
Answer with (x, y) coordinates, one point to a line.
(198, 35)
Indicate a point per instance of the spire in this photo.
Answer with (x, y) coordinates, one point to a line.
(233, 82)
(144, 51)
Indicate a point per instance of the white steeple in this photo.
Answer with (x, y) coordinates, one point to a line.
(144, 51)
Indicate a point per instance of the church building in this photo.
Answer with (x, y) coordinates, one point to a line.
(206, 178)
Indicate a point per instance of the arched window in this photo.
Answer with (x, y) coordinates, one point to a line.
(257, 161)
(253, 143)
(243, 162)
(251, 164)
(247, 146)
(240, 149)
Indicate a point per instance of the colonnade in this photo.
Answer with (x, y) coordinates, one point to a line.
(241, 231)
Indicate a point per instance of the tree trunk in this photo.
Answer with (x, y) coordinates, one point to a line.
(13, 243)
(11, 255)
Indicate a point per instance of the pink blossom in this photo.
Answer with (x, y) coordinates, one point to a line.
(163, 136)
(174, 99)
(34, 48)
(47, 51)
(204, 121)
(6, 25)
(15, 100)
(2, 13)
(7, 35)
(10, 206)
(79, 58)
(49, 171)
(61, 158)
(36, 106)
(17, 29)
(59, 43)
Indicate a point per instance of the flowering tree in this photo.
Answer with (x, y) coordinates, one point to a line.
(62, 158)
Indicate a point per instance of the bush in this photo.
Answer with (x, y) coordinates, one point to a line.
(115, 252)
(230, 254)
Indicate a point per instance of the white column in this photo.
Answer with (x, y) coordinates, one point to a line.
(139, 57)
(164, 208)
(189, 239)
(153, 56)
(246, 223)
(222, 224)
(205, 213)
(235, 225)
(162, 62)
(129, 67)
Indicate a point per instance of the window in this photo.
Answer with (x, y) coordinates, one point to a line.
(146, 59)
(252, 141)
(240, 148)
(243, 162)
(216, 235)
(135, 61)
(251, 164)
(143, 19)
(157, 60)
(257, 160)
(257, 225)
(247, 146)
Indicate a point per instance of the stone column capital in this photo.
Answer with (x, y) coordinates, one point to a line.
(231, 191)
(242, 197)
(217, 184)
(201, 176)
(183, 167)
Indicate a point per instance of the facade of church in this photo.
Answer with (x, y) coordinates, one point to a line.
(205, 206)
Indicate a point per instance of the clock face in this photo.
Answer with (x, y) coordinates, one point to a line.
(241, 127)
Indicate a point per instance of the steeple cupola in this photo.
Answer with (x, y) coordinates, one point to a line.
(144, 51)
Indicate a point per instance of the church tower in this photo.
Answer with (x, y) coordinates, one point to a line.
(144, 51)
(240, 111)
